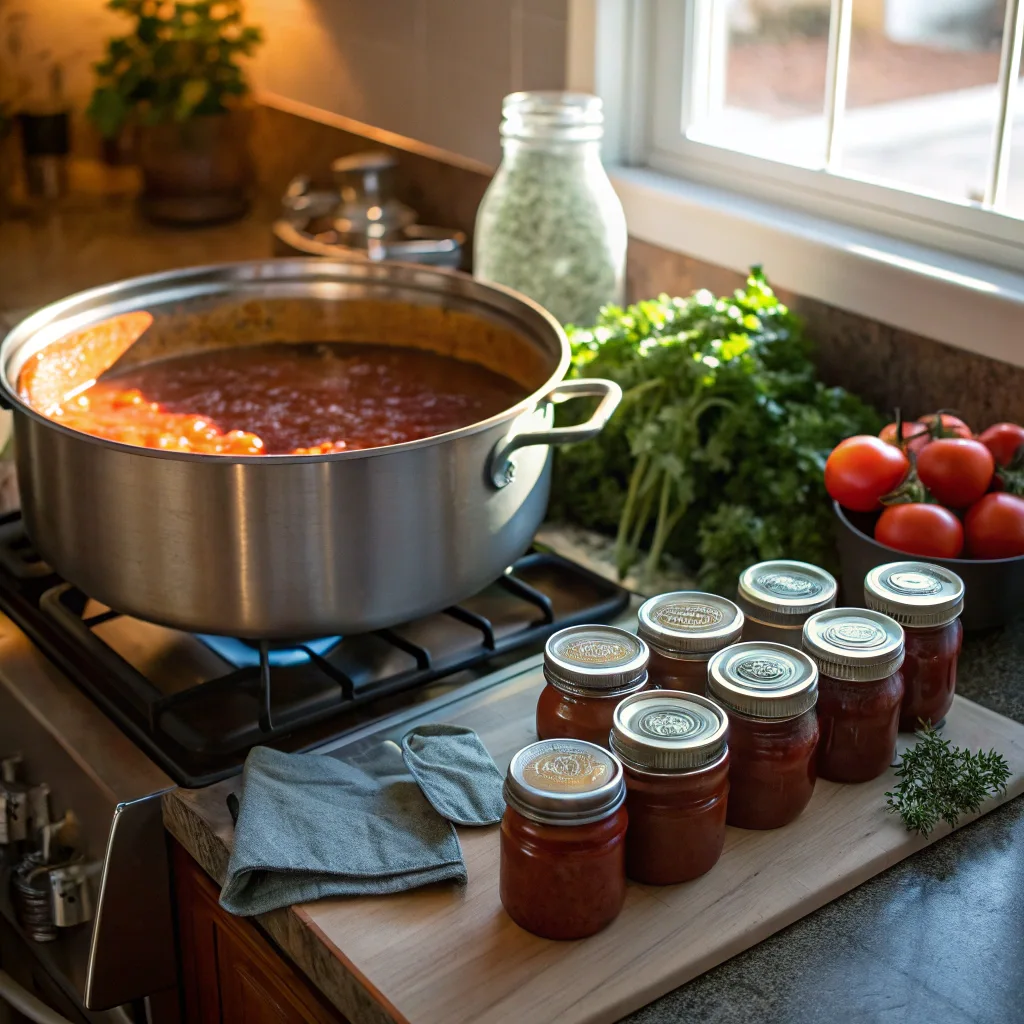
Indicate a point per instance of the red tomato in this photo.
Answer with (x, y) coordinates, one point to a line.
(995, 527)
(957, 470)
(862, 469)
(915, 435)
(946, 425)
(1003, 440)
(919, 529)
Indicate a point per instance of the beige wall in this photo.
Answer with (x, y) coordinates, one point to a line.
(435, 70)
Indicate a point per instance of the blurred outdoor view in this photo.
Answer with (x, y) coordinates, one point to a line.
(922, 98)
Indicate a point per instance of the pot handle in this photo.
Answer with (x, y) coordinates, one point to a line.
(502, 470)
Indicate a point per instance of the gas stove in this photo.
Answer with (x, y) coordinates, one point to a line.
(101, 714)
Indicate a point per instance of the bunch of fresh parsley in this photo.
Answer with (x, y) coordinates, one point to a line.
(717, 452)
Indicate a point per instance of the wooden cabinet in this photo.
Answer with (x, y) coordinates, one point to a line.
(233, 974)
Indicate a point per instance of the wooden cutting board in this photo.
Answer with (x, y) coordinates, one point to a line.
(446, 955)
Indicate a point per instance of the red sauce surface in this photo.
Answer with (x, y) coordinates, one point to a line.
(773, 769)
(277, 399)
(563, 881)
(929, 673)
(575, 716)
(677, 673)
(858, 724)
(676, 823)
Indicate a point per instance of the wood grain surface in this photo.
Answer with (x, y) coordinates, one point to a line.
(449, 955)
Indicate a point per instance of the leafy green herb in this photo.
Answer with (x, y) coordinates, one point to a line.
(939, 782)
(717, 453)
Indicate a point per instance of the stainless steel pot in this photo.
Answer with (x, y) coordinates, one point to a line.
(286, 546)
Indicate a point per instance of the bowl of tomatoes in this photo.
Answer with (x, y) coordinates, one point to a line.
(932, 489)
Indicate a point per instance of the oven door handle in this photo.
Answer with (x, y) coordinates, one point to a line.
(27, 1004)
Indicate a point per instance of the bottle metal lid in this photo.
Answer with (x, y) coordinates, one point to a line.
(669, 731)
(564, 782)
(763, 680)
(915, 594)
(689, 623)
(856, 644)
(784, 593)
(595, 660)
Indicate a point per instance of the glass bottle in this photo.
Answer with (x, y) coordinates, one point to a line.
(778, 597)
(673, 749)
(769, 691)
(926, 600)
(683, 630)
(550, 224)
(860, 688)
(562, 864)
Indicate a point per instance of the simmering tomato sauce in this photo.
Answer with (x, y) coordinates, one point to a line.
(275, 399)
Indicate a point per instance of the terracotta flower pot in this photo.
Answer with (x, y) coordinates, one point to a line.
(197, 171)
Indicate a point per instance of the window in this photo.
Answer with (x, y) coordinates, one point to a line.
(898, 116)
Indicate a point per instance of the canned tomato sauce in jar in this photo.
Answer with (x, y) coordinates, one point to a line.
(769, 692)
(563, 839)
(673, 748)
(588, 669)
(926, 600)
(683, 630)
(778, 597)
(858, 653)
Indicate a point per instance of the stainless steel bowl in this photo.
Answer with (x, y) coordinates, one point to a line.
(286, 546)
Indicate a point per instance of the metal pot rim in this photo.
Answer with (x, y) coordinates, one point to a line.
(86, 307)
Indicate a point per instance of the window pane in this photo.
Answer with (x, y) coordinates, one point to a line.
(766, 89)
(1015, 182)
(922, 98)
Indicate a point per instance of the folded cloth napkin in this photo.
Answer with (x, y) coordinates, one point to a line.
(311, 826)
(455, 772)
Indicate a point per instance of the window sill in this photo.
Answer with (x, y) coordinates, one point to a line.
(964, 303)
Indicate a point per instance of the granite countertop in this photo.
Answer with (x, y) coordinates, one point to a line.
(938, 938)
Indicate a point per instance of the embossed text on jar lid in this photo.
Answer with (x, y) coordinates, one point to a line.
(668, 730)
(915, 594)
(689, 623)
(784, 593)
(763, 680)
(854, 643)
(564, 782)
(595, 660)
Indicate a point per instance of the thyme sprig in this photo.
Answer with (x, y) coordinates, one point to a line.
(940, 782)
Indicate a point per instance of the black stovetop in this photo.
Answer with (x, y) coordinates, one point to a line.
(197, 704)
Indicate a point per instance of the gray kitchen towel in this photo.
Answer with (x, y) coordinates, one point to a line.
(311, 826)
(455, 772)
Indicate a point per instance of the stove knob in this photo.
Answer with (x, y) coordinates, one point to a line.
(14, 803)
(71, 895)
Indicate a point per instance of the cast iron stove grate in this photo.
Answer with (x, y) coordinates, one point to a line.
(197, 704)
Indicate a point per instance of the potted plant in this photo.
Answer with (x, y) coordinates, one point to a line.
(176, 81)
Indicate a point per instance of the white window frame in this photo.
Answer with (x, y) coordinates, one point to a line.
(952, 271)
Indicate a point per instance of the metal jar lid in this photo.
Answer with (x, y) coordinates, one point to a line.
(688, 623)
(915, 594)
(763, 680)
(669, 731)
(784, 593)
(564, 782)
(857, 644)
(598, 660)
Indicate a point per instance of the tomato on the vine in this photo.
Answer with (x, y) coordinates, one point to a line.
(957, 470)
(995, 527)
(863, 469)
(1003, 440)
(919, 529)
(914, 435)
(944, 424)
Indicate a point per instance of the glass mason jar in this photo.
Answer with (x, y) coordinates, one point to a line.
(769, 692)
(683, 630)
(673, 748)
(562, 862)
(550, 224)
(860, 689)
(588, 670)
(926, 600)
(778, 597)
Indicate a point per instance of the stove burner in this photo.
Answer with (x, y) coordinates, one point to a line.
(197, 704)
